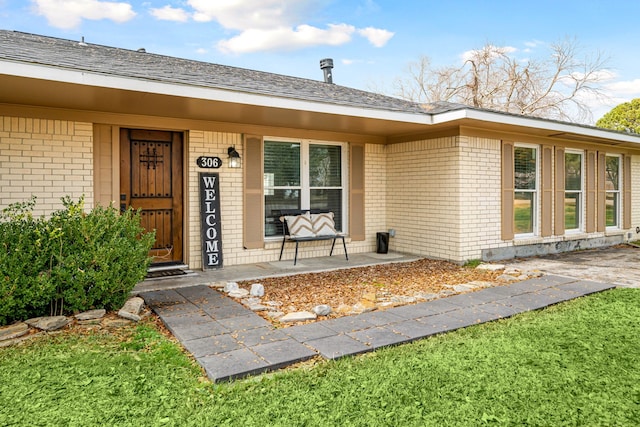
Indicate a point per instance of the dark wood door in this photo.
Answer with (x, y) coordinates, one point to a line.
(151, 180)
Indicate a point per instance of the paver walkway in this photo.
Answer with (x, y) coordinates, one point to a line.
(230, 341)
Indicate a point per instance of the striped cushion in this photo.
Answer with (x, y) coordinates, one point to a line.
(323, 224)
(300, 225)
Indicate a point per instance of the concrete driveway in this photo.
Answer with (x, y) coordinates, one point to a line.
(618, 265)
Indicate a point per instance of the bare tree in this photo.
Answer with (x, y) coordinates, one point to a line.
(492, 77)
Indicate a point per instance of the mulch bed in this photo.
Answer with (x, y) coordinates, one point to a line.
(349, 286)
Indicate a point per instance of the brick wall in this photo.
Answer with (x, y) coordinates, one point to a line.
(422, 203)
(375, 197)
(444, 197)
(479, 197)
(46, 158)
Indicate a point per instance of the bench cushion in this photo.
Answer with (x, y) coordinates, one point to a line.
(300, 225)
(323, 224)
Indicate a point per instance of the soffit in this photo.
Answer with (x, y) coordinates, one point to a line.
(62, 95)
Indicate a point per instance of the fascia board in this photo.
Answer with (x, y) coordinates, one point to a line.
(530, 122)
(199, 92)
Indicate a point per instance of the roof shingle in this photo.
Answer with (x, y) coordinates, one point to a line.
(72, 55)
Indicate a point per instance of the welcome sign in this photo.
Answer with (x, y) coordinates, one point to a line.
(210, 221)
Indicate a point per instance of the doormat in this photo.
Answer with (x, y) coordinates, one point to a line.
(165, 273)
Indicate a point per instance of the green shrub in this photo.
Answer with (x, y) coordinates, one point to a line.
(25, 286)
(72, 262)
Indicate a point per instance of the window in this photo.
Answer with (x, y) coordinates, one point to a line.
(573, 194)
(612, 188)
(302, 175)
(526, 189)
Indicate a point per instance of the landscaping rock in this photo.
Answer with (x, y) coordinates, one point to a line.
(385, 304)
(364, 306)
(463, 288)
(52, 323)
(298, 316)
(480, 284)
(427, 296)
(129, 316)
(322, 310)
(257, 307)
(239, 293)
(491, 267)
(257, 290)
(344, 309)
(13, 331)
(273, 303)
(506, 278)
(252, 300)
(218, 285)
(403, 299)
(91, 314)
(33, 321)
(274, 314)
(370, 296)
(231, 286)
(115, 322)
(511, 271)
(132, 308)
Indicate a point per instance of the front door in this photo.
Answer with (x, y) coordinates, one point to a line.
(151, 180)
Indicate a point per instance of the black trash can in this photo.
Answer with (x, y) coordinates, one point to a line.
(382, 243)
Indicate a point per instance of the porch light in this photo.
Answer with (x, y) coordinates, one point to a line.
(234, 158)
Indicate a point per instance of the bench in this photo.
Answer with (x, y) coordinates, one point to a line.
(309, 225)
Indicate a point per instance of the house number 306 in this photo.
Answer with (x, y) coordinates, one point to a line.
(209, 162)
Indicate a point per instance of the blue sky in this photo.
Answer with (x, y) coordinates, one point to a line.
(371, 41)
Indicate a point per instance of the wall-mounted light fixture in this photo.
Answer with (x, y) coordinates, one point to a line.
(234, 158)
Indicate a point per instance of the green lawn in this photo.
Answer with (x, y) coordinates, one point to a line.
(577, 363)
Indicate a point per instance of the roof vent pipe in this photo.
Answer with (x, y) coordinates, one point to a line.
(326, 65)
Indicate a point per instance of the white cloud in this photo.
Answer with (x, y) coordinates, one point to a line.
(277, 25)
(628, 89)
(376, 36)
(533, 43)
(68, 14)
(285, 38)
(495, 50)
(169, 13)
(251, 14)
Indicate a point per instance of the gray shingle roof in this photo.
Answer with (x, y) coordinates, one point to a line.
(72, 55)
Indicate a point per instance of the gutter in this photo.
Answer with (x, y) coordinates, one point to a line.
(555, 128)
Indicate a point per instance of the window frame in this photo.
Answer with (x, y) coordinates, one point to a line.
(305, 187)
(536, 191)
(617, 193)
(580, 192)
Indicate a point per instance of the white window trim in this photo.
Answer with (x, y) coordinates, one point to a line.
(305, 201)
(536, 200)
(580, 228)
(617, 192)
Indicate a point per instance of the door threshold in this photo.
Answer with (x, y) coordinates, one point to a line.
(167, 266)
(169, 272)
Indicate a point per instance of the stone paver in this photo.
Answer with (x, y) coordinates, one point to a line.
(231, 341)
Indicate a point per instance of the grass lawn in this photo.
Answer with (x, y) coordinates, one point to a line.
(577, 363)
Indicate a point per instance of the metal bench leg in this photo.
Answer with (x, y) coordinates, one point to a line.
(281, 249)
(332, 245)
(345, 248)
(295, 259)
